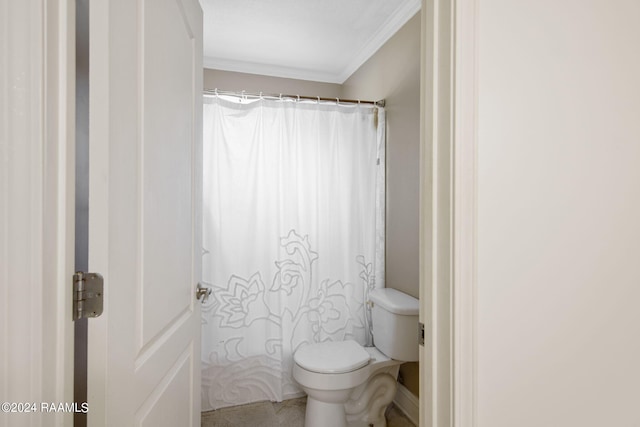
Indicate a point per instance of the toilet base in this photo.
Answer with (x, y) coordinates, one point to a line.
(353, 399)
(323, 414)
(368, 403)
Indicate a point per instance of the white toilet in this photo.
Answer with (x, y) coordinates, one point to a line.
(350, 385)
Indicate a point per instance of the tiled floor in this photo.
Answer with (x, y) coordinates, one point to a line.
(289, 413)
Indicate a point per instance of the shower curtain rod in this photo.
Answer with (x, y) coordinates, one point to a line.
(245, 94)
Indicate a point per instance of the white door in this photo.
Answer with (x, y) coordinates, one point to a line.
(144, 220)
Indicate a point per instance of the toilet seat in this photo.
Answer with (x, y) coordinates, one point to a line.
(335, 357)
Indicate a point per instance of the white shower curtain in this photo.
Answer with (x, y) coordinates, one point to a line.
(293, 223)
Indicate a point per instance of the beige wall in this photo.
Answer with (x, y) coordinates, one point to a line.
(228, 80)
(559, 213)
(393, 74)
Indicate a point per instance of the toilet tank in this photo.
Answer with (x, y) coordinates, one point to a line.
(395, 323)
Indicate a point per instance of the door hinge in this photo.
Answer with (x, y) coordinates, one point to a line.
(421, 333)
(87, 295)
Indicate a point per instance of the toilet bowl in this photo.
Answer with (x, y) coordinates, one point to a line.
(349, 385)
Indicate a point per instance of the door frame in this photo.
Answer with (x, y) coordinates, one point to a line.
(37, 213)
(448, 206)
(464, 184)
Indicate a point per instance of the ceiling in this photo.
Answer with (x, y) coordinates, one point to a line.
(319, 40)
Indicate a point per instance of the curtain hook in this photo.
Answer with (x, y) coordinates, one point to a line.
(216, 91)
(261, 95)
(298, 98)
(338, 101)
(280, 97)
(358, 102)
(318, 100)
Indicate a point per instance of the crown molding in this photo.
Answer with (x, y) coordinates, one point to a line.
(395, 21)
(391, 26)
(269, 70)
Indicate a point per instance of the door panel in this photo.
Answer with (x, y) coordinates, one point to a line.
(144, 221)
(174, 386)
(166, 189)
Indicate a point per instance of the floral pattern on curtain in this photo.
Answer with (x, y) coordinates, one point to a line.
(293, 223)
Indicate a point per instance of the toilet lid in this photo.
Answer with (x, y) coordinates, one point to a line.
(332, 357)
